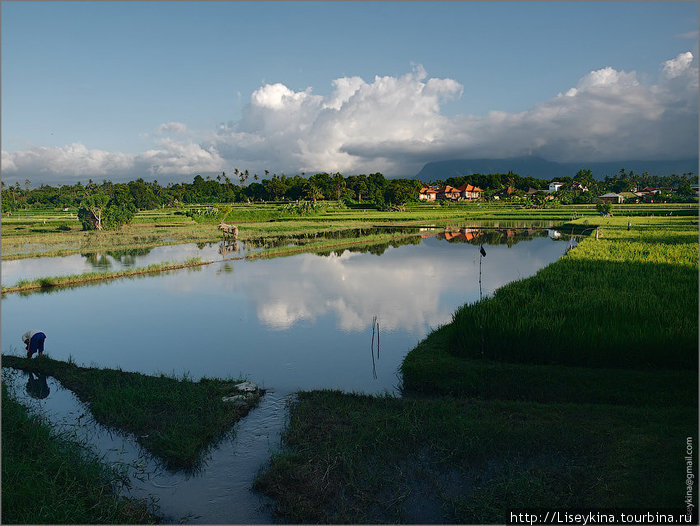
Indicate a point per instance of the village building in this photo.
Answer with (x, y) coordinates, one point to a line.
(611, 197)
(554, 186)
(631, 197)
(464, 192)
(448, 192)
(427, 193)
(467, 191)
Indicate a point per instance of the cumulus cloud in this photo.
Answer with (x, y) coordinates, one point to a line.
(396, 124)
(177, 157)
(319, 133)
(76, 161)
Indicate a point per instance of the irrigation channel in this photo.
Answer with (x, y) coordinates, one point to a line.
(339, 319)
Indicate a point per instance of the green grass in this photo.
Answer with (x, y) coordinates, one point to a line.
(575, 388)
(87, 277)
(51, 479)
(628, 300)
(363, 459)
(43, 235)
(176, 419)
(431, 370)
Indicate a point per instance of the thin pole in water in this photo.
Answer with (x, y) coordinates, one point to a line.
(377, 339)
(482, 253)
(371, 349)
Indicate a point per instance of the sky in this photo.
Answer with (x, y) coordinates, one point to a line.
(168, 90)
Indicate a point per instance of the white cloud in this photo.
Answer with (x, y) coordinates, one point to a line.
(395, 125)
(317, 133)
(74, 159)
(178, 157)
(172, 127)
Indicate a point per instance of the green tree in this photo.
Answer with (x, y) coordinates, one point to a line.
(142, 194)
(91, 211)
(99, 211)
(339, 185)
(604, 208)
(313, 192)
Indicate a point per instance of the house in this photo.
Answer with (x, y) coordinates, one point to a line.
(579, 186)
(531, 191)
(448, 192)
(467, 191)
(611, 198)
(554, 186)
(427, 193)
(630, 197)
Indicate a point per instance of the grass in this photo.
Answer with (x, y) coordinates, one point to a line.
(431, 370)
(627, 301)
(175, 419)
(87, 277)
(575, 388)
(51, 479)
(362, 459)
(43, 234)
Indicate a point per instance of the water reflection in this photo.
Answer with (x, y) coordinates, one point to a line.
(296, 322)
(299, 322)
(36, 386)
(220, 494)
(228, 248)
(98, 260)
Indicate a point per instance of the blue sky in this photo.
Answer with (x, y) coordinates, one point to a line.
(170, 89)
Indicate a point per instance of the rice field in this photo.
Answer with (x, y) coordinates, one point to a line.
(573, 389)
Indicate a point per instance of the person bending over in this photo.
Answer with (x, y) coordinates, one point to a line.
(34, 341)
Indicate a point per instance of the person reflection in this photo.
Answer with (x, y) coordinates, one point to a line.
(37, 387)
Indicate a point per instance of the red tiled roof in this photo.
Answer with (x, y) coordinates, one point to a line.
(468, 236)
(469, 188)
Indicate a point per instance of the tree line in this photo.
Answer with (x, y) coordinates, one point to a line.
(108, 204)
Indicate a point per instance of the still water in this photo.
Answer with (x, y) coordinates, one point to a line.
(299, 322)
(294, 323)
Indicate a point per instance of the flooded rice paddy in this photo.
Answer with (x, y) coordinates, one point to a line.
(291, 323)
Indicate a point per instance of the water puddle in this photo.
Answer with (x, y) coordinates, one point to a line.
(218, 493)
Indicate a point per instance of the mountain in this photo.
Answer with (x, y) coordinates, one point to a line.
(543, 169)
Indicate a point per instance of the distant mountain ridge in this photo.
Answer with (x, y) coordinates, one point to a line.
(543, 169)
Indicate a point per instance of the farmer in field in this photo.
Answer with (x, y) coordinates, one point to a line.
(34, 341)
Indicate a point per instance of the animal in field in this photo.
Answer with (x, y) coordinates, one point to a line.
(228, 230)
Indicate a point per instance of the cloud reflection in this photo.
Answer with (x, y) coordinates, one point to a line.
(406, 287)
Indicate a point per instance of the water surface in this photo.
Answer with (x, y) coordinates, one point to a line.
(292, 323)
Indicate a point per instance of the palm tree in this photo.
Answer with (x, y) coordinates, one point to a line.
(313, 192)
